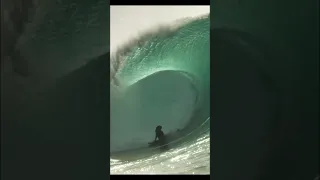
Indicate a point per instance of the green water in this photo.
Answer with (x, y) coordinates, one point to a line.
(184, 48)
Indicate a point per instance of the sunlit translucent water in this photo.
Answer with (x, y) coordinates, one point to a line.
(190, 158)
(182, 48)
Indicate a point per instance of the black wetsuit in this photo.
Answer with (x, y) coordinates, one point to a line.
(162, 140)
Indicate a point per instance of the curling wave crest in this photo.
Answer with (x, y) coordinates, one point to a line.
(161, 78)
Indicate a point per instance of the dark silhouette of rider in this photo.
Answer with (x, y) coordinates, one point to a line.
(161, 138)
(159, 133)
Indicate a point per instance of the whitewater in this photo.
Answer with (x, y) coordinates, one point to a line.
(162, 77)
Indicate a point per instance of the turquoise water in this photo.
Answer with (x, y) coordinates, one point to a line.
(182, 48)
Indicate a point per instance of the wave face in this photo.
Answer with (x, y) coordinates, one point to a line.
(161, 78)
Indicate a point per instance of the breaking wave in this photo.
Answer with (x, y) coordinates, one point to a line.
(161, 78)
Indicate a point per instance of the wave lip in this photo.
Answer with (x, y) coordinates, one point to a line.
(119, 58)
(183, 48)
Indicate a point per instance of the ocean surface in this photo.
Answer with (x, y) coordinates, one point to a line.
(162, 77)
